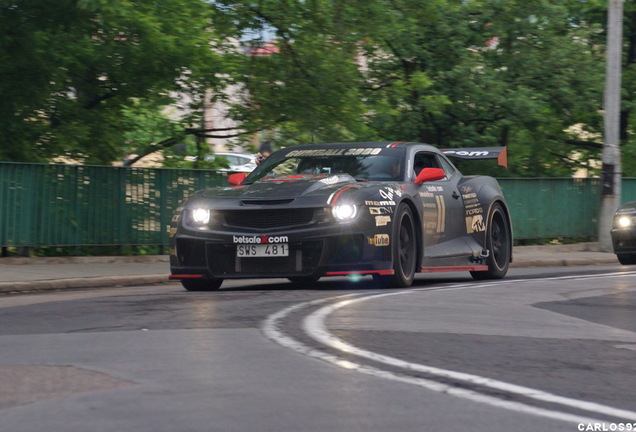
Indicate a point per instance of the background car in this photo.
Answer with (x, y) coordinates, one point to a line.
(385, 209)
(624, 233)
(238, 162)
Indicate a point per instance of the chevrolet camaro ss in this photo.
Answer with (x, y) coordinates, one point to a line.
(385, 209)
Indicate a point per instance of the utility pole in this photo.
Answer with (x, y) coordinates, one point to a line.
(611, 171)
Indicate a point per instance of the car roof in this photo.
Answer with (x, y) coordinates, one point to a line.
(371, 144)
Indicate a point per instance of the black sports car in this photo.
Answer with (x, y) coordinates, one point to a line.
(624, 233)
(386, 209)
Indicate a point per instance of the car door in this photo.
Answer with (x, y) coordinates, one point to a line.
(443, 223)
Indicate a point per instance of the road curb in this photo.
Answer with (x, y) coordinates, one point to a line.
(90, 282)
(84, 260)
(564, 262)
(554, 258)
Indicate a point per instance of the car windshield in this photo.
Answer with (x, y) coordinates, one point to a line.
(386, 165)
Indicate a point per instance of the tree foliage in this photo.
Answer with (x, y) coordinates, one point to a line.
(70, 69)
(91, 78)
(527, 74)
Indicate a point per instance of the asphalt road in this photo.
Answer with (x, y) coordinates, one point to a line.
(543, 350)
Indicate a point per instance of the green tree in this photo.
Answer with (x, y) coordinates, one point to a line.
(71, 68)
(82, 77)
(453, 73)
(306, 85)
(484, 73)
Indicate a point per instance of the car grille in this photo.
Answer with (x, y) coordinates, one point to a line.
(264, 219)
(304, 258)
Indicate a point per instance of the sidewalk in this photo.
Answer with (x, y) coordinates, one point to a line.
(34, 274)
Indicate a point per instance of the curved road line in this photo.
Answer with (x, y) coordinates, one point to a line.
(314, 326)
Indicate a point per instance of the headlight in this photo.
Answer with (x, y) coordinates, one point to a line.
(198, 217)
(624, 222)
(201, 216)
(345, 212)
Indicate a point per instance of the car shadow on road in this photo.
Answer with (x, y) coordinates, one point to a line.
(341, 284)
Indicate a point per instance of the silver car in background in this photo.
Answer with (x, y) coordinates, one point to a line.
(238, 162)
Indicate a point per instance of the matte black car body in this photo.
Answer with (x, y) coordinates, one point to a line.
(344, 209)
(624, 233)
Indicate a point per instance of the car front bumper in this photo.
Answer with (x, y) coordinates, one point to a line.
(317, 252)
(623, 240)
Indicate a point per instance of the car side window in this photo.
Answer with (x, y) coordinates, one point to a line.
(448, 168)
(424, 160)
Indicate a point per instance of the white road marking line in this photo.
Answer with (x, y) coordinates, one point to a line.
(314, 326)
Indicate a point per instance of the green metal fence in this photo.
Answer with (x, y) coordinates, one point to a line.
(71, 205)
(553, 207)
(78, 205)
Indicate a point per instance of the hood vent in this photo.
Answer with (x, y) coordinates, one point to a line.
(267, 219)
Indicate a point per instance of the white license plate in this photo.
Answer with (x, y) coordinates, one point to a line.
(262, 250)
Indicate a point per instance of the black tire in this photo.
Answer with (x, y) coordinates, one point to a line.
(303, 279)
(201, 284)
(626, 259)
(404, 244)
(498, 243)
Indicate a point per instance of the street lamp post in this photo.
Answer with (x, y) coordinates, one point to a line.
(611, 171)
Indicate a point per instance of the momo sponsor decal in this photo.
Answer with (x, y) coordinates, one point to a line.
(475, 224)
(379, 203)
(262, 239)
(379, 240)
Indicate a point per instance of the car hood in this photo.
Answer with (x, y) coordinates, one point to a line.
(282, 187)
(627, 208)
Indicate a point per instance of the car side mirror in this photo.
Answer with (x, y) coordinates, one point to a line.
(236, 178)
(430, 174)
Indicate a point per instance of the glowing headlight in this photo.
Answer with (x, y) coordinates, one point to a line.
(201, 216)
(624, 222)
(345, 212)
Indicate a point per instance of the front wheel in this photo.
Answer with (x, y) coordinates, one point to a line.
(404, 244)
(498, 243)
(201, 284)
(626, 259)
